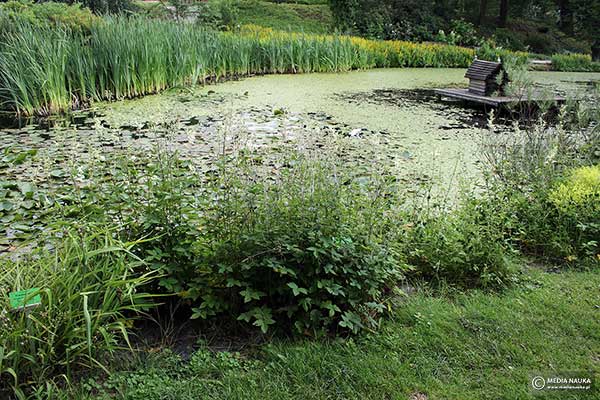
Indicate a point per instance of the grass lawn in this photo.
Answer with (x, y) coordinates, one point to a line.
(313, 18)
(473, 345)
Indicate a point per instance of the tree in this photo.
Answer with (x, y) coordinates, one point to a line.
(344, 13)
(482, 11)
(503, 16)
(566, 21)
(587, 21)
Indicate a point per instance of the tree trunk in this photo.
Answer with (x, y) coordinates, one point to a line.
(482, 11)
(596, 50)
(566, 16)
(503, 16)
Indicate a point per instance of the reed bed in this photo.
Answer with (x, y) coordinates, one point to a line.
(51, 69)
(46, 70)
(575, 62)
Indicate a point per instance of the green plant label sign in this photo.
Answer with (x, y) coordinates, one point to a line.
(25, 298)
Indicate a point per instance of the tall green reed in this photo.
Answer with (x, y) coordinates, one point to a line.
(90, 290)
(33, 68)
(45, 70)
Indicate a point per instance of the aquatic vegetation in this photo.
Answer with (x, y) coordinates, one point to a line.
(574, 62)
(48, 69)
(545, 183)
(367, 53)
(45, 70)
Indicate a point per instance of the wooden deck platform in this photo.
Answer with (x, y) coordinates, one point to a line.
(493, 101)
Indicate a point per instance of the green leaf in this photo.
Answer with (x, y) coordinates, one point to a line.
(351, 321)
(233, 282)
(6, 206)
(333, 308)
(262, 317)
(297, 290)
(247, 316)
(57, 173)
(305, 303)
(250, 294)
(27, 189)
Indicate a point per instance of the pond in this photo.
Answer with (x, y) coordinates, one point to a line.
(386, 115)
(390, 117)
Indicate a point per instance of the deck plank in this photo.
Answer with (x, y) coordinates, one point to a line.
(464, 94)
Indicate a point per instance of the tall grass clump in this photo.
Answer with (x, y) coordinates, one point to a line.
(574, 62)
(47, 69)
(90, 290)
(33, 69)
(544, 180)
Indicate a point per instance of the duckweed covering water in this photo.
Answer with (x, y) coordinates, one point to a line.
(384, 116)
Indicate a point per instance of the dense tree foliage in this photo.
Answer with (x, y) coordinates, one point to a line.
(536, 25)
(97, 6)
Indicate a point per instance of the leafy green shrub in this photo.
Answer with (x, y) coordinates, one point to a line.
(466, 31)
(71, 16)
(462, 33)
(574, 62)
(541, 43)
(410, 20)
(545, 226)
(466, 247)
(550, 211)
(158, 199)
(581, 187)
(489, 51)
(89, 291)
(509, 39)
(307, 248)
(578, 202)
(229, 11)
(107, 6)
(573, 45)
(451, 38)
(179, 9)
(222, 14)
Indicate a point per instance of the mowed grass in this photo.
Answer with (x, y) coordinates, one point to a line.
(308, 18)
(473, 345)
